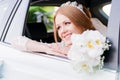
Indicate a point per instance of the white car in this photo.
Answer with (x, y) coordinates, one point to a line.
(19, 65)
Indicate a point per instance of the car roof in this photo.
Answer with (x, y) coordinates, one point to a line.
(86, 3)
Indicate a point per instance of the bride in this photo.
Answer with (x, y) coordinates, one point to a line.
(70, 18)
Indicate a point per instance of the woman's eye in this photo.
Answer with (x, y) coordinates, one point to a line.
(66, 23)
(58, 27)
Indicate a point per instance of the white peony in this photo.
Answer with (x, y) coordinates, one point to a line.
(86, 50)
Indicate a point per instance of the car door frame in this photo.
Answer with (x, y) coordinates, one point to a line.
(114, 36)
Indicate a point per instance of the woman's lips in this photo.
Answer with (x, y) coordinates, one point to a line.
(67, 37)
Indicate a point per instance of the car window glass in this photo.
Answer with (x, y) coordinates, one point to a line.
(107, 9)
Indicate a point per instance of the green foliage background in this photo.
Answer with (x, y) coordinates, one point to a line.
(47, 11)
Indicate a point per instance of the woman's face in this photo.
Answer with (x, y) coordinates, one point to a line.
(65, 28)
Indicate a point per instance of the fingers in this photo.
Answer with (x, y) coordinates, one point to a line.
(58, 49)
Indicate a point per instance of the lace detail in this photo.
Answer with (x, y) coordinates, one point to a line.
(59, 47)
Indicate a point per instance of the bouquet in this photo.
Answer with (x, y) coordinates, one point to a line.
(86, 51)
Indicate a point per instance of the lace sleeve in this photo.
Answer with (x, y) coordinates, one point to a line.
(59, 47)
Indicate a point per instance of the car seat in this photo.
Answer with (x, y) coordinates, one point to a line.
(36, 31)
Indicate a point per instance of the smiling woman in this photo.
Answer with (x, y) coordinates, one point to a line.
(69, 19)
(28, 62)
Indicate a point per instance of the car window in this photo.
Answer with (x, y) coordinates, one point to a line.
(106, 9)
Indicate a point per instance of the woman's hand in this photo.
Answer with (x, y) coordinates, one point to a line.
(59, 49)
(25, 44)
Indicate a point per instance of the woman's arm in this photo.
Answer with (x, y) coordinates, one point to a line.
(26, 44)
(53, 48)
(34, 46)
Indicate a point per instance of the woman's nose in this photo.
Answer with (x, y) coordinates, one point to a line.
(64, 29)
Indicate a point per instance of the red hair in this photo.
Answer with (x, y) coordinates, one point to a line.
(79, 19)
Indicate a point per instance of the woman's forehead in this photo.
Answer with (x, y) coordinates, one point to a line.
(60, 18)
